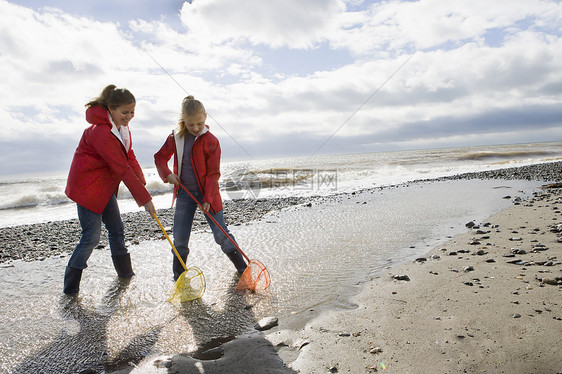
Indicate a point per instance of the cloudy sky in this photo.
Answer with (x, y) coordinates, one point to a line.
(282, 77)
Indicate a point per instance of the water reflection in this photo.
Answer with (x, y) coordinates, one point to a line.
(316, 256)
(82, 345)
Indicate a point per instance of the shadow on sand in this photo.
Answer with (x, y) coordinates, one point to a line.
(82, 345)
(225, 342)
(223, 335)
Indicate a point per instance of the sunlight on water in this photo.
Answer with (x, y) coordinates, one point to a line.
(317, 257)
(40, 199)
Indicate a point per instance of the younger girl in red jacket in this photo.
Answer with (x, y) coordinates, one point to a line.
(197, 166)
(104, 158)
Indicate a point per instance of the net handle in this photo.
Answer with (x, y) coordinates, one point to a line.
(172, 244)
(214, 220)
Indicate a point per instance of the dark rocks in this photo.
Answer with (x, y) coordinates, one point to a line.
(552, 281)
(539, 247)
(403, 277)
(515, 261)
(32, 242)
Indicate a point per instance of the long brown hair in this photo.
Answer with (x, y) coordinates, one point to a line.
(112, 97)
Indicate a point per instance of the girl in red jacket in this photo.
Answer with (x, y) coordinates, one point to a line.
(197, 166)
(104, 158)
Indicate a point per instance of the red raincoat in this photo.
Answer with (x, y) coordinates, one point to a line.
(100, 163)
(205, 159)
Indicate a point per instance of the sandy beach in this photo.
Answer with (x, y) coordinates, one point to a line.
(488, 301)
(485, 301)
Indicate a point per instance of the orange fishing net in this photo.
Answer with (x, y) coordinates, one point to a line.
(255, 277)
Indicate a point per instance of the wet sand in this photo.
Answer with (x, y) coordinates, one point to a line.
(487, 301)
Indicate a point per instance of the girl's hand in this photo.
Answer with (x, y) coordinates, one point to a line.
(206, 206)
(149, 207)
(173, 179)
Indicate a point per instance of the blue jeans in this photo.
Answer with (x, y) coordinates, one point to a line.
(183, 220)
(91, 232)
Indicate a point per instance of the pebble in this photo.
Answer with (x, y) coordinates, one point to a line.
(550, 281)
(32, 242)
(375, 350)
(266, 323)
(403, 277)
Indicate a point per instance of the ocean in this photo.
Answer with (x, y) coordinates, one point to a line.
(318, 256)
(41, 199)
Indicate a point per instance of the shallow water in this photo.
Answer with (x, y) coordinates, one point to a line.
(317, 256)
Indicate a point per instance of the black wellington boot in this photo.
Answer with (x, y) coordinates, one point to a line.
(122, 264)
(238, 261)
(72, 279)
(178, 267)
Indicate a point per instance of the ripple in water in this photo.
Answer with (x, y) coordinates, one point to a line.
(317, 256)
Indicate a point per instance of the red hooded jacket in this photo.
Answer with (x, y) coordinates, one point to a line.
(100, 163)
(205, 159)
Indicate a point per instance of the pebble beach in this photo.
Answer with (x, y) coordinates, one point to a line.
(42, 240)
(487, 301)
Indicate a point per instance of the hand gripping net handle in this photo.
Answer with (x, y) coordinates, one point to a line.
(215, 221)
(256, 276)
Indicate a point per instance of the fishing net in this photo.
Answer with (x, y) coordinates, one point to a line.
(189, 286)
(255, 277)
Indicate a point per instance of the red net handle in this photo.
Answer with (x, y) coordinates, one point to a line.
(215, 221)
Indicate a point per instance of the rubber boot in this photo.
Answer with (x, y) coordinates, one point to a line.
(122, 264)
(72, 279)
(238, 261)
(178, 267)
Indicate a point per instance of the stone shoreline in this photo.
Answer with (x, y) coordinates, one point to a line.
(58, 238)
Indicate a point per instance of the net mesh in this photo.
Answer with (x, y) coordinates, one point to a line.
(189, 286)
(255, 277)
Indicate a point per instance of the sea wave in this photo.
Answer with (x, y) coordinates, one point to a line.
(485, 155)
(268, 178)
(34, 200)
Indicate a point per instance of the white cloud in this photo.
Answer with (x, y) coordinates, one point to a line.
(473, 65)
(276, 23)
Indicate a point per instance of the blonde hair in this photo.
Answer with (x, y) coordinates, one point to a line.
(189, 107)
(112, 97)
